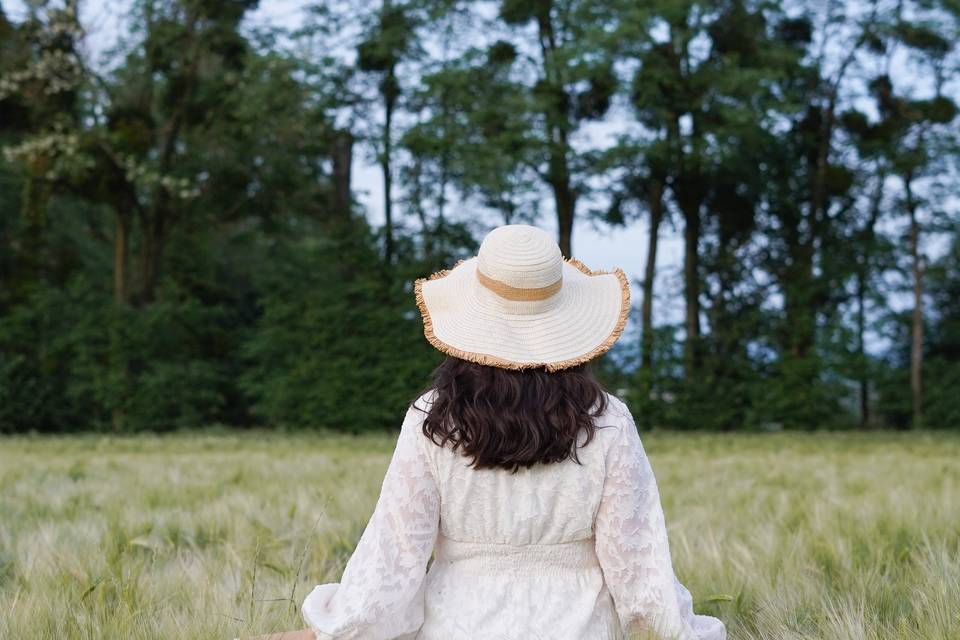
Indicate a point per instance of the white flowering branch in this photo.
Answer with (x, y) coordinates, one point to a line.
(146, 177)
(51, 155)
(55, 69)
(58, 151)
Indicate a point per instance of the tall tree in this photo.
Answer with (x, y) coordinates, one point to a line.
(809, 201)
(388, 41)
(637, 167)
(669, 94)
(477, 144)
(40, 87)
(570, 80)
(190, 134)
(132, 156)
(701, 69)
(912, 138)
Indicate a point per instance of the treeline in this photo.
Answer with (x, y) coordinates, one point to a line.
(181, 242)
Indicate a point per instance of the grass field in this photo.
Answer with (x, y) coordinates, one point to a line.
(833, 536)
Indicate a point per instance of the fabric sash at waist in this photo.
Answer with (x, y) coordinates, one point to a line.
(517, 559)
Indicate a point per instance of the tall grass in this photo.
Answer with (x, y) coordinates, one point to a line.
(786, 536)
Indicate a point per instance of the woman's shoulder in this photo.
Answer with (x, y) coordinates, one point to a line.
(616, 410)
(418, 410)
(615, 425)
(421, 404)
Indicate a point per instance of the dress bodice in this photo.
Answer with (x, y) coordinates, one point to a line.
(543, 504)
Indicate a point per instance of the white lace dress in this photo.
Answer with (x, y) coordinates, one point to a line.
(559, 552)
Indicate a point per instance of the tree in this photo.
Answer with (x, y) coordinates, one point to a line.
(911, 137)
(702, 78)
(569, 80)
(467, 140)
(389, 40)
(191, 140)
(638, 183)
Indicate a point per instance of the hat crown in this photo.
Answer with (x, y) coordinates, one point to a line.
(518, 304)
(520, 256)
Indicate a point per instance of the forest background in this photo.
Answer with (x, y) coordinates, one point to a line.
(184, 239)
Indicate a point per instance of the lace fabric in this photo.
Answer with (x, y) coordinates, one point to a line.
(632, 546)
(562, 551)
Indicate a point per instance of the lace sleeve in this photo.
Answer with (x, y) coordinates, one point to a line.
(632, 546)
(381, 592)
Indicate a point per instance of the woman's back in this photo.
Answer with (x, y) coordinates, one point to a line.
(543, 504)
(521, 479)
(519, 547)
(566, 551)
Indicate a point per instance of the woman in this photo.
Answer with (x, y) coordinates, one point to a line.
(526, 480)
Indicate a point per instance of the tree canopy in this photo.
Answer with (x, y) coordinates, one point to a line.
(182, 241)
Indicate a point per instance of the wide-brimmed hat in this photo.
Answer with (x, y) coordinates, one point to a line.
(518, 304)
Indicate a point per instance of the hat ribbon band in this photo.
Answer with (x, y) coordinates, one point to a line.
(504, 290)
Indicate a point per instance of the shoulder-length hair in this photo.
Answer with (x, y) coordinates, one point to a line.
(507, 419)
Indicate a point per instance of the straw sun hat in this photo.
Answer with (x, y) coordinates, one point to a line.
(518, 304)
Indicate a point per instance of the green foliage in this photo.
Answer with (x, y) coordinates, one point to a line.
(60, 347)
(942, 411)
(389, 40)
(179, 242)
(339, 344)
(41, 342)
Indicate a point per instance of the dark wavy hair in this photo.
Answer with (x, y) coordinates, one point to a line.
(507, 419)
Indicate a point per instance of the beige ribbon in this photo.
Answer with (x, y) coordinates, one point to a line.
(504, 290)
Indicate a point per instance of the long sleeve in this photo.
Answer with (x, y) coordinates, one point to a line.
(381, 592)
(632, 546)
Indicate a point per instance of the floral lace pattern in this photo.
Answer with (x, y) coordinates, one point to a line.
(632, 546)
(565, 551)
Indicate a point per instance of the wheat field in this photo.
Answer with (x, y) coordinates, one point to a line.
(218, 534)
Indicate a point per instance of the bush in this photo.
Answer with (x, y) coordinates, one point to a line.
(340, 342)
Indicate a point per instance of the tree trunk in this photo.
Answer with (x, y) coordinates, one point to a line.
(649, 274)
(566, 204)
(799, 304)
(691, 278)
(418, 199)
(863, 275)
(689, 191)
(150, 257)
(342, 166)
(121, 298)
(916, 344)
(646, 379)
(389, 96)
(121, 253)
(509, 211)
(565, 200)
(557, 132)
(863, 381)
